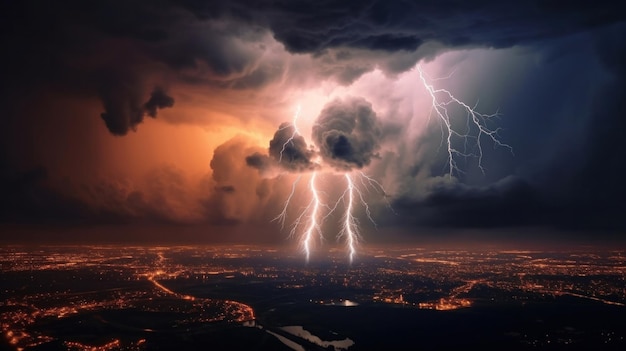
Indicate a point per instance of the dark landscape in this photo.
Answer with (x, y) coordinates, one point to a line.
(250, 297)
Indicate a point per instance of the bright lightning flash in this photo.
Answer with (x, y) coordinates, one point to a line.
(309, 219)
(442, 99)
(350, 228)
(313, 226)
(312, 209)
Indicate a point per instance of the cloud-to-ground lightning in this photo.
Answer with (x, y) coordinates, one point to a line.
(313, 225)
(310, 219)
(312, 209)
(442, 99)
(350, 226)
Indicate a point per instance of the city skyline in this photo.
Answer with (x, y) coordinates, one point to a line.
(112, 297)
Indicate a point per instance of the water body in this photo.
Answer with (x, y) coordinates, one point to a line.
(294, 345)
(305, 334)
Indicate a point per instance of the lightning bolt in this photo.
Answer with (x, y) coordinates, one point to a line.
(313, 225)
(313, 207)
(369, 182)
(442, 99)
(475, 132)
(294, 123)
(350, 227)
(309, 217)
(282, 216)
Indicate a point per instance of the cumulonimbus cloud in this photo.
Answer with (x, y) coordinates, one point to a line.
(347, 133)
(288, 151)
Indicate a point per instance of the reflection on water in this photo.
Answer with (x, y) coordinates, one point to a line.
(292, 344)
(305, 334)
(302, 333)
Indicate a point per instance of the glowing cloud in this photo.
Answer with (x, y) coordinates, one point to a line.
(347, 135)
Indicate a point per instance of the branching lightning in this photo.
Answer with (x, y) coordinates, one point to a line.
(442, 99)
(282, 216)
(312, 209)
(310, 219)
(349, 223)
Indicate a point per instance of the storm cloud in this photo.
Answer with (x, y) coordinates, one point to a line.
(287, 150)
(110, 48)
(158, 100)
(73, 74)
(313, 26)
(347, 133)
(124, 111)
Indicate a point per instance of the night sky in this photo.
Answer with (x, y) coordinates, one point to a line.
(160, 120)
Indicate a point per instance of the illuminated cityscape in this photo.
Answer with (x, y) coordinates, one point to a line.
(312, 175)
(133, 298)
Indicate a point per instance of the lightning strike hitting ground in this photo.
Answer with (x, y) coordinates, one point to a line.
(350, 228)
(310, 215)
(313, 225)
(313, 206)
(308, 218)
(476, 129)
(442, 99)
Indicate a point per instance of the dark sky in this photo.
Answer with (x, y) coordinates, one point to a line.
(118, 115)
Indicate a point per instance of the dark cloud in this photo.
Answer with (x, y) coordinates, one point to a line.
(158, 100)
(113, 48)
(347, 133)
(287, 151)
(116, 51)
(123, 109)
(508, 202)
(312, 26)
(259, 161)
(290, 150)
(225, 35)
(25, 195)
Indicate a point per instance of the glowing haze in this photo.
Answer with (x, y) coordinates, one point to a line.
(377, 120)
(346, 135)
